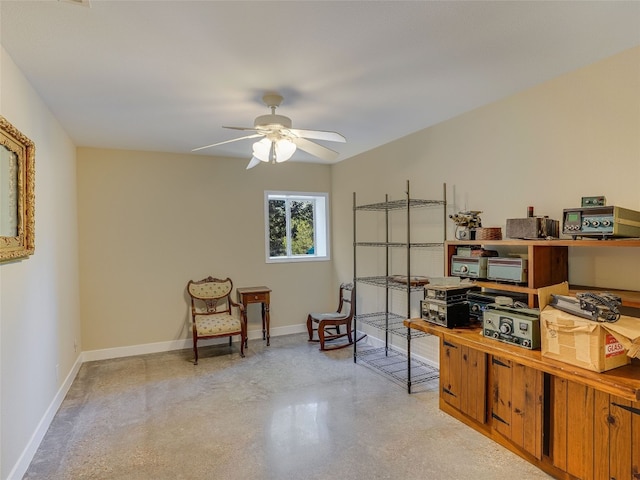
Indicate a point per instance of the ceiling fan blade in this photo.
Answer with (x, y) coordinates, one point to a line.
(318, 135)
(251, 129)
(254, 161)
(227, 141)
(314, 149)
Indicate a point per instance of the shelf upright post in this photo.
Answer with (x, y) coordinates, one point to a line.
(355, 292)
(444, 211)
(386, 278)
(408, 197)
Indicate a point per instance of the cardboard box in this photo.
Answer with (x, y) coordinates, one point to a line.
(597, 346)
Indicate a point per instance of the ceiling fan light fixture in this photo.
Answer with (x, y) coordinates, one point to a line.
(277, 151)
(285, 149)
(261, 149)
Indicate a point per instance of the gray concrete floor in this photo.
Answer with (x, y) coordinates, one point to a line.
(287, 411)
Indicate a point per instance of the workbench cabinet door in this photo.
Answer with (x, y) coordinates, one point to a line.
(450, 373)
(516, 404)
(579, 430)
(624, 439)
(594, 435)
(463, 379)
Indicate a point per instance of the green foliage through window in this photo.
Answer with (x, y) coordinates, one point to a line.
(296, 225)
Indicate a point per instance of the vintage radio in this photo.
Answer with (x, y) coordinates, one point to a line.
(600, 222)
(516, 326)
(507, 269)
(470, 267)
(449, 315)
(532, 227)
(478, 301)
(598, 201)
(448, 293)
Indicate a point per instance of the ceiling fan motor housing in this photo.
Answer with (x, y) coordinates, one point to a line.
(272, 120)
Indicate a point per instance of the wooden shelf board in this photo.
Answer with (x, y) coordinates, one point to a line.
(614, 242)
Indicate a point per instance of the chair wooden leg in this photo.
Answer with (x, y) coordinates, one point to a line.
(310, 327)
(242, 341)
(195, 349)
(321, 334)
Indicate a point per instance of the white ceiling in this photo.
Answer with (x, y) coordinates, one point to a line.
(167, 75)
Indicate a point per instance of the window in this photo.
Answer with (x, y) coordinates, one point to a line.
(297, 226)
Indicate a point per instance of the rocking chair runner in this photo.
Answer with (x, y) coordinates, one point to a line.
(343, 316)
(212, 314)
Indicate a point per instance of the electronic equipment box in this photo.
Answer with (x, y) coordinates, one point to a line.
(449, 315)
(469, 267)
(478, 301)
(448, 293)
(507, 269)
(516, 326)
(601, 222)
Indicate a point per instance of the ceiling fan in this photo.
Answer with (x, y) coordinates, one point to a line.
(280, 141)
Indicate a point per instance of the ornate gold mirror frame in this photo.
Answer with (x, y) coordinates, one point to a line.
(17, 193)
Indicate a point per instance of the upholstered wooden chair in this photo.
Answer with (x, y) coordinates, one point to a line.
(214, 314)
(328, 324)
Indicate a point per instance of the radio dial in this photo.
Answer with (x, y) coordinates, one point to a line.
(464, 269)
(505, 328)
(526, 343)
(606, 223)
(496, 335)
(595, 223)
(585, 223)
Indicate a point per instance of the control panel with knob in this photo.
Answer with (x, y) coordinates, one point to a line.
(516, 326)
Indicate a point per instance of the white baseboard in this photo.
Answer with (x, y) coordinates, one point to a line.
(118, 352)
(21, 466)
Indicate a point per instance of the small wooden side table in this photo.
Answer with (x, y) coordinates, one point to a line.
(247, 295)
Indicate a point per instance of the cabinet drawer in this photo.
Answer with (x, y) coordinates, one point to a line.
(256, 297)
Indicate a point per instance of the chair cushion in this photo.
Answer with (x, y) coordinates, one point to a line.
(327, 316)
(217, 324)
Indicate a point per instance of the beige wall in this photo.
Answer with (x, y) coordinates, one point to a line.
(576, 135)
(39, 302)
(150, 222)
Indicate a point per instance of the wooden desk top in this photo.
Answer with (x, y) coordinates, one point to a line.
(243, 290)
(622, 381)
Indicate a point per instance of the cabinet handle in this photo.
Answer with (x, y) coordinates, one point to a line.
(449, 392)
(627, 408)
(493, 415)
(447, 344)
(495, 361)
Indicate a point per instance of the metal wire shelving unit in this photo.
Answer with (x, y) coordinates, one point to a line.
(399, 366)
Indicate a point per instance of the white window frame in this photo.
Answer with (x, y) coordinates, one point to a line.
(320, 228)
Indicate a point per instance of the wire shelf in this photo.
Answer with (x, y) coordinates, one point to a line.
(395, 323)
(399, 204)
(400, 244)
(389, 282)
(393, 364)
